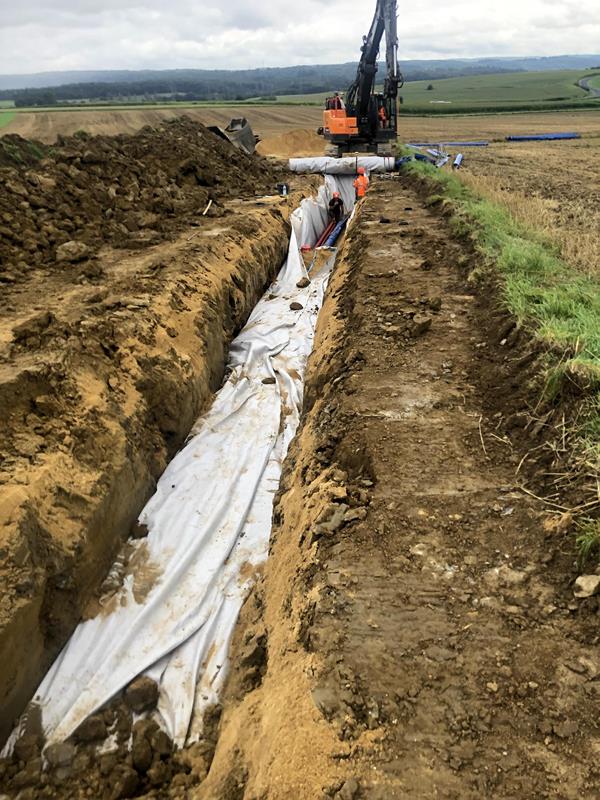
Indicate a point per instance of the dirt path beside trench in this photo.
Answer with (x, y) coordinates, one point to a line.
(415, 634)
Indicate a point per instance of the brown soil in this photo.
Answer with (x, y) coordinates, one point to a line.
(104, 366)
(127, 191)
(420, 635)
(414, 633)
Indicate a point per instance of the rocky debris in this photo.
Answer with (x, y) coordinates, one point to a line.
(558, 524)
(587, 586)
(124, 782)
(296, 306)
(27, 747)
(60, 754)
(91, 730)
(332, 518)
(72, 251)
(421, 323)
(33, 326)
(129, 191)
(348, 791)
(138, 529)
(269, 381)
(303, 283)
(142, 694)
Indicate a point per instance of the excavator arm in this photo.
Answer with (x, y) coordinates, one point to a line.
(359, 92)
(368, 120)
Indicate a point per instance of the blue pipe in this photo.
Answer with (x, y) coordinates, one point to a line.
(458, 161)
(331, 239)
(543, 137)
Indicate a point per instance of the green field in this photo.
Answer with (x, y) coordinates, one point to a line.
(504, 92)
(6, 117)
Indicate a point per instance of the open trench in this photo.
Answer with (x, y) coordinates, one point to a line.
(170, 601)
(413, 632)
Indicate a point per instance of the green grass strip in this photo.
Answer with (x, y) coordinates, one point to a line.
(539, 288)
(6, 117)
(560, 304)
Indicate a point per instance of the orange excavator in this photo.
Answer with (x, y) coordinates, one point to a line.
(366, 120)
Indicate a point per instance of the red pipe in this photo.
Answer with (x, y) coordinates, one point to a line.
(325, 233)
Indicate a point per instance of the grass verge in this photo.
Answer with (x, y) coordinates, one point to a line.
(559, 304)
(6, 117)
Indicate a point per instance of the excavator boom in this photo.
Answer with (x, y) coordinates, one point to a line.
(367, 122)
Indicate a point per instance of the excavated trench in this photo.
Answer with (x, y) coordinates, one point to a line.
(413, 632)
(112, 382)
(228, 472)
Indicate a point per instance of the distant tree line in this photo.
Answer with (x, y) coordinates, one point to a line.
(215, 85)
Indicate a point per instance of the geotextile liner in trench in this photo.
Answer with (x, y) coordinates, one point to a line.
(208, 523)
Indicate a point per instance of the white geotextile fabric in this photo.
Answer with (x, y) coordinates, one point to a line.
(342, 166)
(209, 523)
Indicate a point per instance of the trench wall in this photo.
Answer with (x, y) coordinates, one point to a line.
(137, 382)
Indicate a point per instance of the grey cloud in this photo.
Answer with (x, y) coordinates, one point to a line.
(80, 34)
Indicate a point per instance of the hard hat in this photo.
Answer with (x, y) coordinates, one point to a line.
(361, 170)
(336, 194)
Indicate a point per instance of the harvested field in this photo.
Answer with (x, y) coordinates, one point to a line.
(553, 187)
(274, 121)
(266, 120)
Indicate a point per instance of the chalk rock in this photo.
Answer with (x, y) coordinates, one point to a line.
(587, 585)
(72, 251)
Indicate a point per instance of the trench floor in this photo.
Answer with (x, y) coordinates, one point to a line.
(459, 664)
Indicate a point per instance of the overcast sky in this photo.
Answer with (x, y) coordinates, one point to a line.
(37, 35)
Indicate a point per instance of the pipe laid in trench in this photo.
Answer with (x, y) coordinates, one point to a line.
(208, 523)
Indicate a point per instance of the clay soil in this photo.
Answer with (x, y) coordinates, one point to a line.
(416, 620)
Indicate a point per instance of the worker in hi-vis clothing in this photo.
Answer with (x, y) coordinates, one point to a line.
(361, 184)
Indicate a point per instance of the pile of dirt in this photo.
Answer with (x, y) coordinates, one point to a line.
(114, 754)
(127, 191)
(16, 151)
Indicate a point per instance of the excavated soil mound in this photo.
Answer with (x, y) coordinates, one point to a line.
(59, 204)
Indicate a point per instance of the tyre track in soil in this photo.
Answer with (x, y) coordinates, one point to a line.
(458, 635)
(425, 642)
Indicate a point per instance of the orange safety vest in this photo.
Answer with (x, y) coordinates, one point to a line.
(361, 185)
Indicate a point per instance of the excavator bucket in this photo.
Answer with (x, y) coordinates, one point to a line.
(239, 133)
